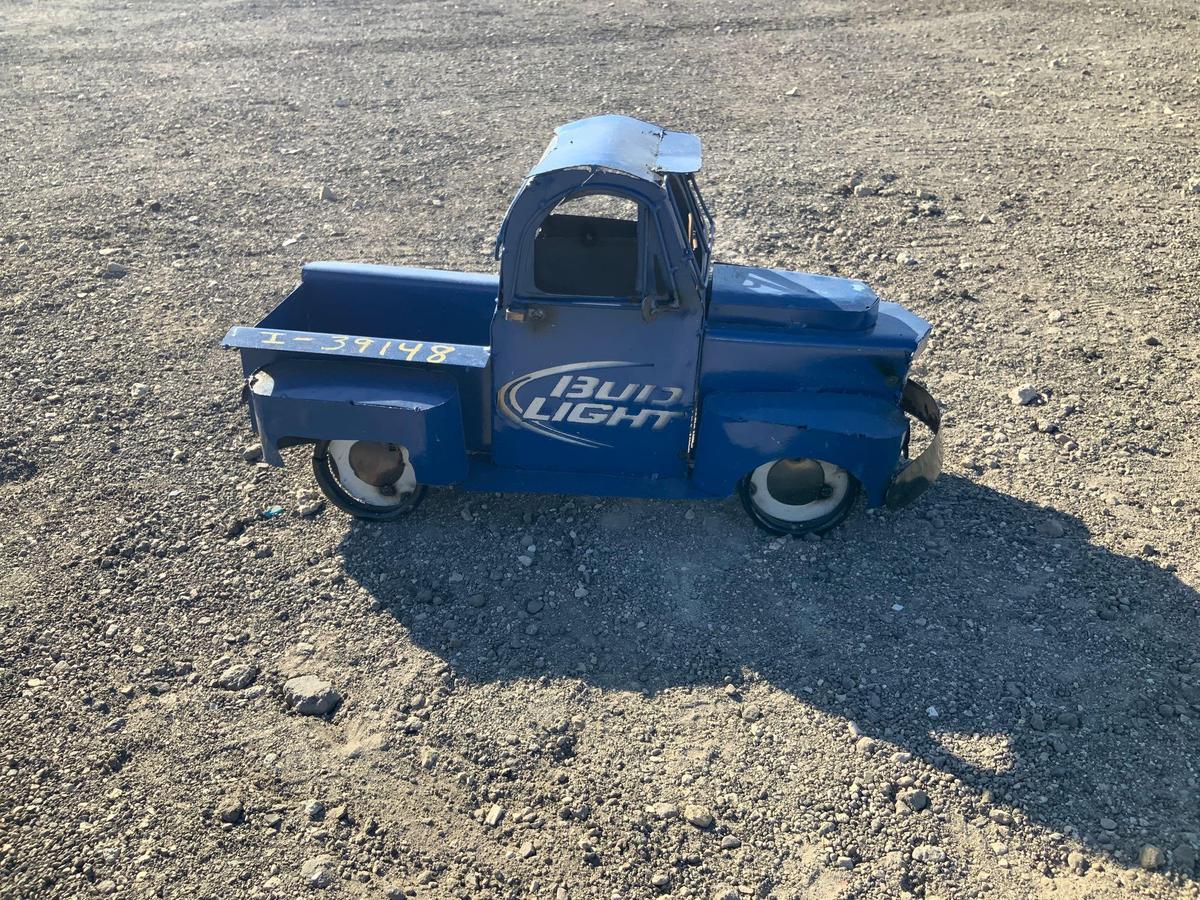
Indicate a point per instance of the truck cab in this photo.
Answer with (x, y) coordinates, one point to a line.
(612, 355)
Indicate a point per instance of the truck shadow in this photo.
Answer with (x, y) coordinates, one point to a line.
(1053, 674)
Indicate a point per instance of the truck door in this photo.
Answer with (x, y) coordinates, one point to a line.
(595, 351)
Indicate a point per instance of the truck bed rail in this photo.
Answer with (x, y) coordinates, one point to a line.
(355, 346)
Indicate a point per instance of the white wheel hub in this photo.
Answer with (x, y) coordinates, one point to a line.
(389, 494)
(836, 484)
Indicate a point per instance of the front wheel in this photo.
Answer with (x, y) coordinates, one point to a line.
(367, 479)
(798, 496)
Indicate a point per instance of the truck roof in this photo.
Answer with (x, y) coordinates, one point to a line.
(623, 144)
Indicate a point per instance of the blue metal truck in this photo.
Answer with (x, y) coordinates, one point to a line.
(611, 356)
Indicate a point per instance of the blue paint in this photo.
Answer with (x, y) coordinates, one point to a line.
(677, 388)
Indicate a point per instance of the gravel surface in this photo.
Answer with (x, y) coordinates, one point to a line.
(994, 692)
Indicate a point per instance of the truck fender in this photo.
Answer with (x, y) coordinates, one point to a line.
(303, 400)
(740, 431)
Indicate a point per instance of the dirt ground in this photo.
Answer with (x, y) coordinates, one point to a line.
(992, 693)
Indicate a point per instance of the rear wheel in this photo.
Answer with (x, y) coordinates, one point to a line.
(798, 496)
(367, 479)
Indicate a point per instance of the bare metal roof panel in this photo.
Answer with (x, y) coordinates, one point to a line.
(623, 144)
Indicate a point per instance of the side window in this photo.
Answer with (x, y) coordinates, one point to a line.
(588, 247)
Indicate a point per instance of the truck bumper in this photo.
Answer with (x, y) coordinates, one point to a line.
(915, 475)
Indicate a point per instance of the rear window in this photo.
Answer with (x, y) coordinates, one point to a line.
(588, 247)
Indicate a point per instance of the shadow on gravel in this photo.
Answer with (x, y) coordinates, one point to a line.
(1063, 675)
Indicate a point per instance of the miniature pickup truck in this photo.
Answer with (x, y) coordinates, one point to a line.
(611, 356)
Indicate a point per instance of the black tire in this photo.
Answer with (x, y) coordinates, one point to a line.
(326, 474)
(747, 491)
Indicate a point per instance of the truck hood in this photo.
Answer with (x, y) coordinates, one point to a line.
(748, 295)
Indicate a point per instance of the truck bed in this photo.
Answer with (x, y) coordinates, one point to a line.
(367, 316)
(390, 302)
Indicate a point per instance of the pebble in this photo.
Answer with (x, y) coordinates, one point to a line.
(725, 892)
(906, 259)
(916, 800)
(237, 677)
(1151, 858)
(661, 881)
(231, 810)
(526, 850)
(663, 810)
(428, 757)
(114, 270)
(326, 193)
(1051, 528)
(1108, 824)
(699, 816)
(1023, 395)
(495, 816)
(317, 872)
(1077, 861)
(845, 862)
(729, 842)
(928, 853)
(751, 712)
(252, 452)
(308, 695)
(138, 391)
(865, 745)
(1000, 816)
(314, 810)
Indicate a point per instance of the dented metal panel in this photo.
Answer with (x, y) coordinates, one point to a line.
(622, 144)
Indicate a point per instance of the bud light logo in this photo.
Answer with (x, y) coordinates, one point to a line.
(567, 395)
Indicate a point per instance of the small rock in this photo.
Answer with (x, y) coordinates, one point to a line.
(1193, 186)
(326, 193)
(1000, 816)
(864, 190)
(310, 508)
(928, 853)
(725, 892)
(791, 92)
(845, 862)
(139, 390)
(231, 810)
(906, 259)
(661, 881)
(1051, 528)
(729, 842)
(1077, 861)
(699, 816)
(525, 850)
(663, 810)
(1023, 395)
(318, 872)
(308, 695)
(114, 270)
(525, 561)
(751, 712)
(1151, 340)
(1108, 824)
(495, 816)
(1151, 858)
(428, 757)
(23, 247)
(916, 800)
(252, 452)
(534, 606)
(107, 886)
(237, 677)
(314, 810)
